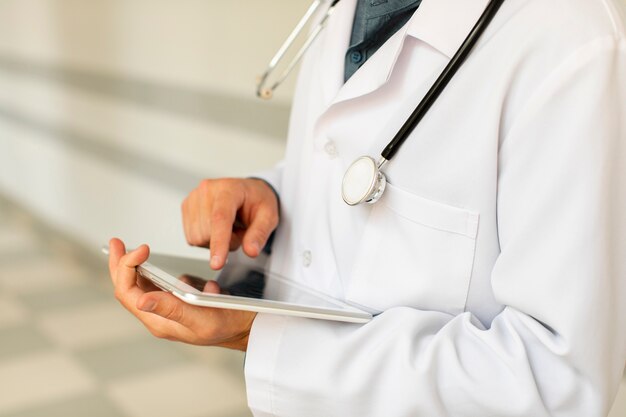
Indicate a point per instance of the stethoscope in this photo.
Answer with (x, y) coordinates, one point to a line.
(364, 181)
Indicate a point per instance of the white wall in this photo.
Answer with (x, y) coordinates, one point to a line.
(100, 133)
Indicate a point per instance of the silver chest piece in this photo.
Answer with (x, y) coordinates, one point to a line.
(363, 182)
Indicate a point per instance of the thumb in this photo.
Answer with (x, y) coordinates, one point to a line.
(167, 306)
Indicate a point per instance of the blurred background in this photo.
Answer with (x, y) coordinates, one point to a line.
(111, 111)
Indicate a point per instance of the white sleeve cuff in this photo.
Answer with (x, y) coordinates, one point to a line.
(261, 359)
(272, 176)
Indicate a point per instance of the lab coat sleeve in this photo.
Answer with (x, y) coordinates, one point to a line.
(557, 348)
(272, 176)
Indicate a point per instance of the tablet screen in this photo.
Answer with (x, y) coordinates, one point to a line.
(240, 280)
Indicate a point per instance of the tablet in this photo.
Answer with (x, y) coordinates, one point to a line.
(244, 285)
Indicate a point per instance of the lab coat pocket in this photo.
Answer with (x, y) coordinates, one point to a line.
(415, 252)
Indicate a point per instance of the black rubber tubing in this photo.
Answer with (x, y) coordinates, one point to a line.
(442, 81)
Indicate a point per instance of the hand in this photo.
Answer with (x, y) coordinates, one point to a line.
(227, 213)
(167, 317)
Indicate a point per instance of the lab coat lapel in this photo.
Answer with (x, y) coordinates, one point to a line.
(335, 43)
(433, 23)
(375, 72)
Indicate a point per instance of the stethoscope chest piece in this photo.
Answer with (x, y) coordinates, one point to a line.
(363, 182)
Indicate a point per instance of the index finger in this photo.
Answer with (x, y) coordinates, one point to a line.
(222, 220)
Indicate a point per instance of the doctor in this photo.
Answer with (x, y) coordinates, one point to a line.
(497, 253)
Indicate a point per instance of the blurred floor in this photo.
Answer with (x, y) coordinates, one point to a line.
(68, 349)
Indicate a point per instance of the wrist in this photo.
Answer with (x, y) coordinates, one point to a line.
(237, 344)
(240, 341)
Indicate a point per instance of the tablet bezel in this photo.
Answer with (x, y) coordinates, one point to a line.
(167, 282)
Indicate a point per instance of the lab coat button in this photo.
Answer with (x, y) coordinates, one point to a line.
(307, 257)
(330, 149)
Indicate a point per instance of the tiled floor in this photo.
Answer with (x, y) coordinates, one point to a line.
(68, 349)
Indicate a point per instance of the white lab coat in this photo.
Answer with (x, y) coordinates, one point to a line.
(498, 251)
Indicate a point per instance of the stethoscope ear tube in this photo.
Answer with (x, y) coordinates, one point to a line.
(442, 81)
(265, 89)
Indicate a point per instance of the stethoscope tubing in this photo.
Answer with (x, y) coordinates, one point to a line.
(266, 92)
(442, 81)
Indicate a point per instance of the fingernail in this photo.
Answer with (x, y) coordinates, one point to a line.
(257, 247)
(148, 307)
(215, 261)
